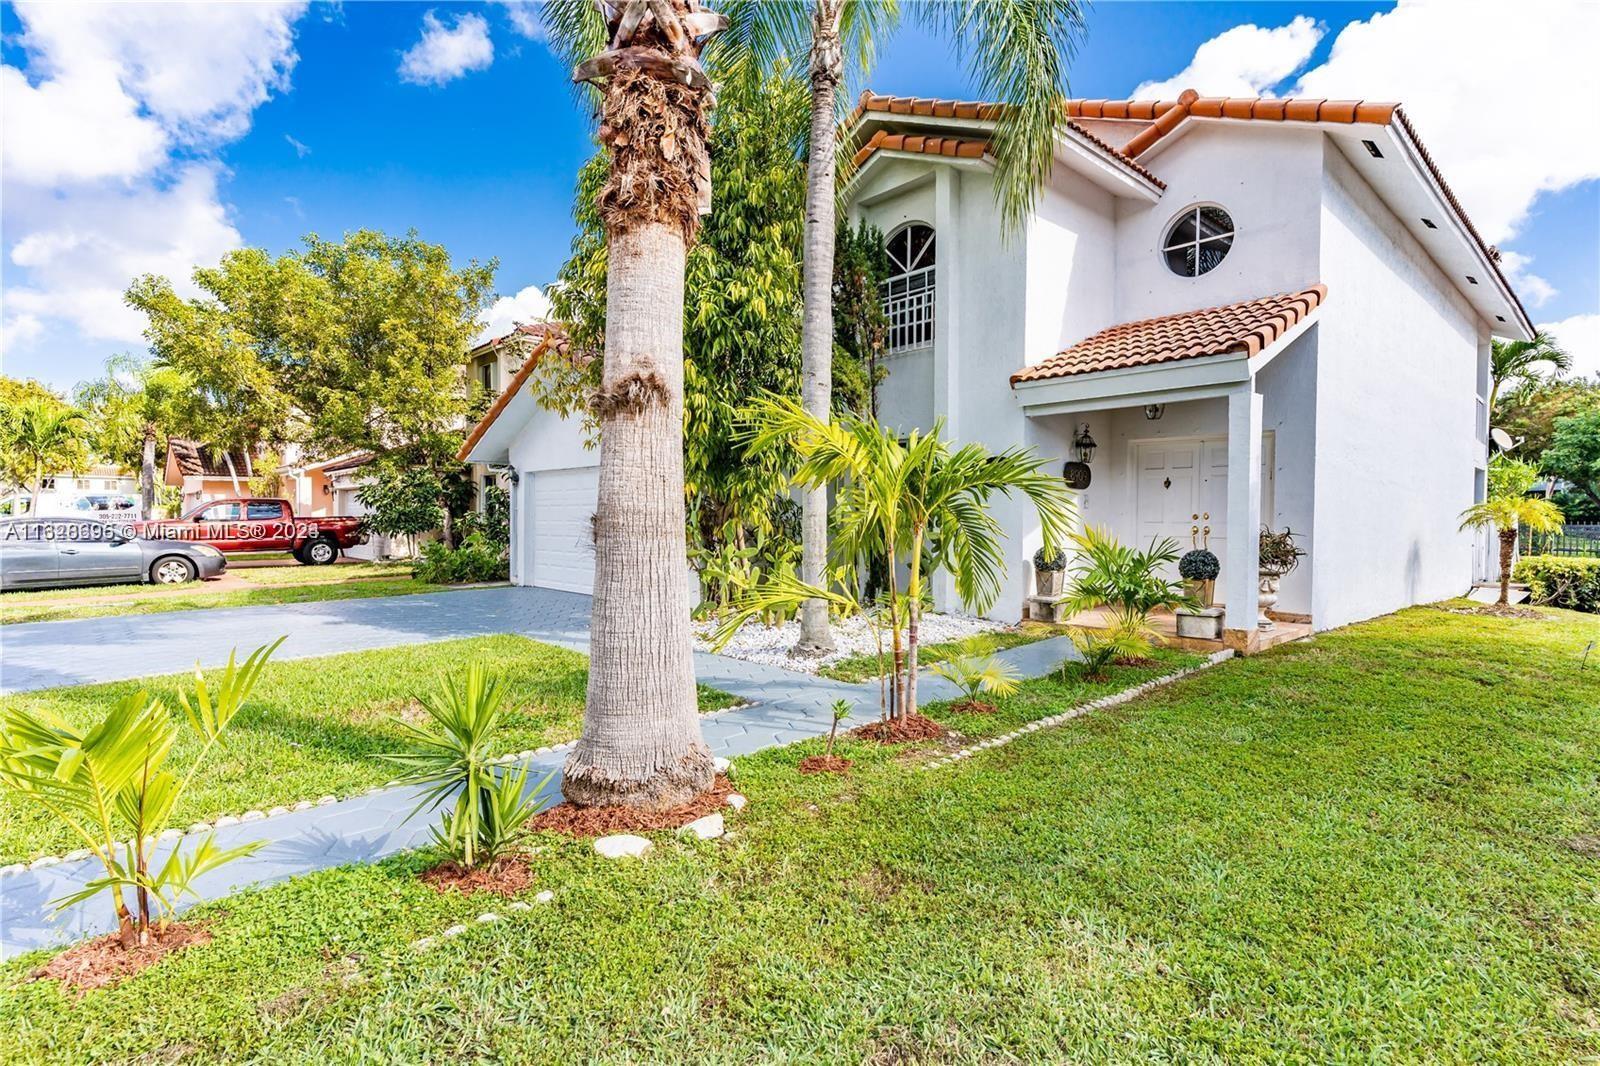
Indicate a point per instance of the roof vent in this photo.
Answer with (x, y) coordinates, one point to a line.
(1429, 223)
(1372, 149)
(1499, 318)
(1472, 279)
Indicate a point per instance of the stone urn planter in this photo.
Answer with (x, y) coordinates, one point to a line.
(1279, 555)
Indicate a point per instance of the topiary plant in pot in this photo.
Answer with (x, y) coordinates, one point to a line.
(1048, 568)
(1199, 568)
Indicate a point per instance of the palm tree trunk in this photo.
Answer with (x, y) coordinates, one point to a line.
(641, 740)
(816, 331)
(1508, 548)
(147, 474)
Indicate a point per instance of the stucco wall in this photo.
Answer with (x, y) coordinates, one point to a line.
(1396, 406)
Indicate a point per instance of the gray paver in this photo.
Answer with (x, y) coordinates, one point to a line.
(787, 707)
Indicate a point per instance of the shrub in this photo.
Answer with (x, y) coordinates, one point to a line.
(1555, 581)
(1127, 582)
(1049, 563)
(977, 675)
(1199, 565)
(494, 521)
(1102, 647)
(475, 560)
(1279, 553)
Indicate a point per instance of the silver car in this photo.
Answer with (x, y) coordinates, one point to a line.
(38, 553)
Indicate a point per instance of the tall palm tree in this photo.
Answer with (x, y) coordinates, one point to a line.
(1508, 509)
(1516, 361)
(1016, 52)
(917, 503)
(641, 742)
(45, 436)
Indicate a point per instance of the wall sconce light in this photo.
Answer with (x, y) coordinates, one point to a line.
(1084, 445)
(1154, 411)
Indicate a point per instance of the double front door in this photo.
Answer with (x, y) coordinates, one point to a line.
(1181, 491)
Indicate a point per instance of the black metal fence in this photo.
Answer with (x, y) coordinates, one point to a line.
(1572, 541)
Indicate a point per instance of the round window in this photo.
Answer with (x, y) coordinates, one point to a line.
(1197, 241)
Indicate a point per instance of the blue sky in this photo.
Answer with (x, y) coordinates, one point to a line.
(308, 123)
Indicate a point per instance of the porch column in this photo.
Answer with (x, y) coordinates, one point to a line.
(1241, 585)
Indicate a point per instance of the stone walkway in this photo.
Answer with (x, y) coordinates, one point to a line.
(786, 707)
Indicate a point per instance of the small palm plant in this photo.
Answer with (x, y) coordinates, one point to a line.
(977, 676)
(1508, 509)
(457, 758)
(841, 711)
(1129, 583)
(112, 779)
(1098, 649)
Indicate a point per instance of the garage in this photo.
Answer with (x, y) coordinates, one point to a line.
(561, 506)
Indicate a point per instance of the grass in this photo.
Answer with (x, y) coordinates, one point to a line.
(1369, 847)
(865, 667)
(317, 726)
(270, 585)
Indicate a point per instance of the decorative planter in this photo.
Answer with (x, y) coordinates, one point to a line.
(1203, 592)
(1202, 624)
(1269, 599)
(1048, 583)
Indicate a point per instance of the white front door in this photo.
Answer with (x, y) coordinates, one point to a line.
(562, 528)
(1181, 491)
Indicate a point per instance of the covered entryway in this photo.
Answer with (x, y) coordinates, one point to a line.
(1181, 490)
(561, 522)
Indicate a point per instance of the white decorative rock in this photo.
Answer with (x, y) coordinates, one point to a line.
(251, 816)
(546, 750)
(720, 764)
(170, 834)
(736, 801)
(546, 896)
(326, 800)
(455, 930)
(12, 868)
(76, 856)
(200, 827)
(226, 820)
(303, 805)
(519, 905)
(622, 846)
(274, 812)
(424, 944)
(525, 754)
(48, 860)
(708, 828)
(488, 916)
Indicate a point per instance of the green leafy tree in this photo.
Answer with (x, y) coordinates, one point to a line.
(132, 409)
(1016, 52)
(1509, 509)
(1574, 453)
(860, 325)
(1529, 411)
(40, 435)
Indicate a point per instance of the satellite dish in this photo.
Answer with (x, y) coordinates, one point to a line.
(1502, 439)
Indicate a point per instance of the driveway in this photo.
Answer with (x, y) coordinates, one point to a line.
(39, 655)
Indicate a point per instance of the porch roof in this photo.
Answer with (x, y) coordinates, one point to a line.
(1246, 328)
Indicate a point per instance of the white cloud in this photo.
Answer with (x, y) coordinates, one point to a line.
(1492, 91)
(108, 149)
(445, 53)
(301, 149)
(509, 312)
(1580, 336)
(524, 17)
(1247, 60)
(1533, 289)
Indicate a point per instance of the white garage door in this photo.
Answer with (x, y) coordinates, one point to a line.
(563, 538)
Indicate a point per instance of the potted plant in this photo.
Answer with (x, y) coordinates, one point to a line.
(1199, 569)
(1048, 568)
(1279, 554)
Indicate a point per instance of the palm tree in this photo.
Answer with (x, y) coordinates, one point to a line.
(1128, 582)
(641, 742)
(1016, 51)
(131, 408)
(916, 503)
(1508, 509)
(45, 436)
(1515, 361)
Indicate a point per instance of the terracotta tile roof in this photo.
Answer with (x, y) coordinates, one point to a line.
(552, 339)
(197, 460)
(537, 330)
(1249, 327)
(928, 107)
(354, 462)
(953, 147)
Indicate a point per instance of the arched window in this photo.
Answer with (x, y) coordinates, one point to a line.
(1198, 240)
(908, 291)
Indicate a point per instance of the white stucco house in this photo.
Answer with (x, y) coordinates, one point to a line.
(1263, 312)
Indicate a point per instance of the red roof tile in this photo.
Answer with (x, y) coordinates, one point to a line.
(1249, 327)
(552, 338)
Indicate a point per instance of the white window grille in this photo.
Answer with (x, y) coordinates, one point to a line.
(908, 292)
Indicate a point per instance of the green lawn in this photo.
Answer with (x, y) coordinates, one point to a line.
(316, 726)
(1378, 846)
(862, 667)
(269, 585)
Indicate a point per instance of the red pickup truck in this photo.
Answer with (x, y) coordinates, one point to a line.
(259, 525)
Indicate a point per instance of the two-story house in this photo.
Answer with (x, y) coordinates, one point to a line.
(1238, 312)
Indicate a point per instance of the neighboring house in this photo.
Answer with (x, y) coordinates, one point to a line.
(100, 491)
(494, 363)
(1263, 312)
(201, 473)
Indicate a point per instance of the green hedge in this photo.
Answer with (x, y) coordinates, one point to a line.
(476, 560)
(1559, 581)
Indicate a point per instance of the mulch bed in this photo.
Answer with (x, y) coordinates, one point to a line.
(507, 878)
(103, 961)
(824, 764)
(1494, 610)
(600, 821)
(913, 726)
(1134, 660)
(973, 707)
